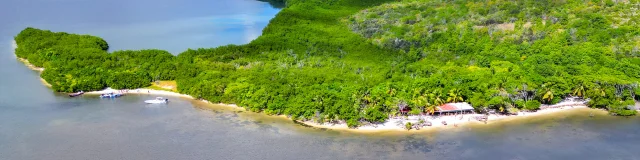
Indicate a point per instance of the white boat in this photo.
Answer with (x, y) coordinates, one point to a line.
(110, 95)
(158, 100)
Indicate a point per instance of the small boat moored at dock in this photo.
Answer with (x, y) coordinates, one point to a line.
(158, 100)
(76, 94)
(110, 95)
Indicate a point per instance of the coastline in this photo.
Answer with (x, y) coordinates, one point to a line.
(146, 91)
(139, 91)
(14, 46)
(391, 125)
(395, 124)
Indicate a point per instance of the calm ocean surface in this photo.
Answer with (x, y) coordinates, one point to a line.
(36, 123)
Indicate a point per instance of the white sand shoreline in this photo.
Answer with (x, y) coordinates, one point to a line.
(140, 91)
(146, 91)
(394, 124)
(14, 46)
(398, 124)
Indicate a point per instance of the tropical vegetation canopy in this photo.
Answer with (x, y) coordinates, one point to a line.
(363, 60)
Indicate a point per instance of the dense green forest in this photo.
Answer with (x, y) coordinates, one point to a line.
(360, 60)
(81, 62)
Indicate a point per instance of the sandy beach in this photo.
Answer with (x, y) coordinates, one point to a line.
(452, 121)
(141, 91)
(29, 65)
(392, 124)
(145, 91)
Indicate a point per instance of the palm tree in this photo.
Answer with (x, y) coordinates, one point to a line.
(455, 96)
(417, 92)
(436, 98)
(367, 98)
(548, 95)
(600, 91)
(391, 91)
(579, 91)
(501, 87)
(431, 108)
(419, 101)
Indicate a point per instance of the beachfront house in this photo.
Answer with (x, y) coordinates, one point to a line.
(462, 108)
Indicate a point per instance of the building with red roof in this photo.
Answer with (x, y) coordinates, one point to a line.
(455, 107)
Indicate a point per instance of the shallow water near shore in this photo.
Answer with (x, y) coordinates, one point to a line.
(36, 123)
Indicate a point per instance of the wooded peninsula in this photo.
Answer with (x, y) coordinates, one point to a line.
(360, 60)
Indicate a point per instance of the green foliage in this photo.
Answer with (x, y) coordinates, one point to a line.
(622, 108)
(125, 80)
(408, 126)
(375, 115)
(532, 105)
(81, 62)
(356, 60)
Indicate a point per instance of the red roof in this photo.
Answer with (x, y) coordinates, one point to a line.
(447, 107)
(455, 107)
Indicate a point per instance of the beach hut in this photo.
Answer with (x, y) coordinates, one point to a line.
(455, 108)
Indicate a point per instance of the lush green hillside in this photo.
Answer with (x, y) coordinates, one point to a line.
(528, 49)
(359, 61)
